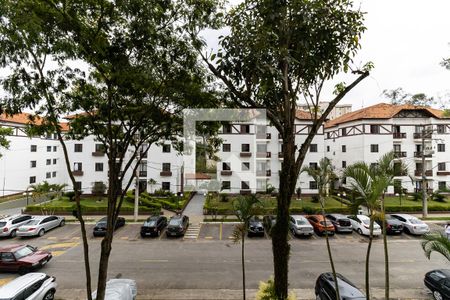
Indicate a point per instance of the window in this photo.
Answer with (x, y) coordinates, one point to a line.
(245, 185)
(396, 129)
(33, 148)
(245, 148)
(32, 179)
(344, 131)
(418, 128)
(48, 175)
(344, 164)
(313, 185)
(49, 148)
(166, 167)
(226, 147)
(78, 185)
(245, 129)
(226, 166)
(313, 148)
(166, 148)
(442, 185)
(441, 166)
(328, 135)
(33, 164)
(226, 128)
(261, 148)
(397, 148)
(374, 129)
(55, 148)
(78, 147)
(98, 167)
(313, 165)
(165, 186)
(245, 166)
(441, 129)
(374, 148)
(328, 148)
(344, 148)
(441, 147)
(48, 162)
(99, 148)
(54, 174)
(54, 161)
(226, 185)
(77, 166)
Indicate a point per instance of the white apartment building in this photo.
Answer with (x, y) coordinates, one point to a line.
(337, 111)
(368, 133)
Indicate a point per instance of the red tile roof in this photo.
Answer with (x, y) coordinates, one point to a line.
(26, 118)
(381, 111)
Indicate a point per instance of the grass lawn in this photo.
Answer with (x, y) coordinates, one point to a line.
(395, 201)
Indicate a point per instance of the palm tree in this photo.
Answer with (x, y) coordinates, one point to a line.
(245, 208)
(151, 182)
(323, 175)
(437, 242)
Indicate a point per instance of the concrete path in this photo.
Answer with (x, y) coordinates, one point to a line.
(194, 209)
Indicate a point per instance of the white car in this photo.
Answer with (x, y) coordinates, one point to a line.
(412, 224)
(9, 224)
(119, 289)
(39, 225)
(32, 286)
(361, 224)
(299, 225)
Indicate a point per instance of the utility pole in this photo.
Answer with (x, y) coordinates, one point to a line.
(136, 190)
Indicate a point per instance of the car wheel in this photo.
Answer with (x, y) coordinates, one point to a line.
(158, 233)
(407, 230)
(13, 234)
(62, 223)
(318, 297)
(41, 232)
(50, 295)
(142, 235)
(437, 295)
(23, 270)
(359, 231)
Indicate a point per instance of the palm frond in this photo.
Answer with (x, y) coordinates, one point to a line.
(437, 242)
(238, 231)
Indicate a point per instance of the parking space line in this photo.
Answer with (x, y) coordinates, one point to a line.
(220, 231)
(58, 253)
(124, 238)
(60, 245)
(208, 237)
(51, 238)
(4, 281)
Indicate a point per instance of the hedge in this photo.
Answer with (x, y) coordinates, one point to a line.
(269, 210)
(84, 209)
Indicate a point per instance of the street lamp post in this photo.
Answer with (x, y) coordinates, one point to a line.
(27, 193)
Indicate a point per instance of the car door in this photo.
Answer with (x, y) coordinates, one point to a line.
(445, 287)
(291, 222)
(54, 222)
(46, 224)
(34, 291)
(8, 262)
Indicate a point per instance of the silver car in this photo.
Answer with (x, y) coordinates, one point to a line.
(299, 225)
(9, 224)
(32, 286)
(412, 224)
(39, 225)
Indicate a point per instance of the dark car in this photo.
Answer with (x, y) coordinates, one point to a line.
(100, 226)
(22, 258)
(269, 222)
(325, 288)
(255, 227)
(438, 281)
(153, 226)
(178, 225)
(340, 222)
(394, 226)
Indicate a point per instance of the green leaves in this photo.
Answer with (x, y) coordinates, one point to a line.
(4, 142)
(437, 242)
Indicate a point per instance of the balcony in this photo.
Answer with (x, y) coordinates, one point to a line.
(419, 135)
(165, 173)
(264, 173)
(420, 153)
(77, 173)
(263, 136)
(143, 154)
(245, 154)
(442, 173)
(226, 172)
(245, 192)
(400, 154)
(280, 155)
(419, 173)
(263, 154)
(98, 153)
(399, 135)
(142, 173)
(398, 174)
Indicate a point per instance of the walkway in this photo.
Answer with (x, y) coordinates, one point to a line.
(194, 210)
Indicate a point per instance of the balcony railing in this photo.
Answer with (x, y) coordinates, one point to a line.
(399, 154)
(245, 192)
(419, 135)
(77, 173)
(98, 153)
(246, 154)
(419, 190)
(142, 173)
(399, 135)
(264, 154)
(419, 173)
(226, 172)
(263, 136)
(420, 153)
(280, 155)
(443, 173)
(266, 173)
(165, 173)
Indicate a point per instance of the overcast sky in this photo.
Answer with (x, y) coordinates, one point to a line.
(406, 40)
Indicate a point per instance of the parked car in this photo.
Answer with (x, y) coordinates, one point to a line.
(318, 222)
(412, 224)
(340, 222)
(32, 286)
(178, 225)
(153, 226)
(100, 226)
(393, 225)
(299, 225)
(361, 224)
(255, 227)
(9, 224)
(325, 288)
(119, 289)
(269, 222)
(438, 281)
(39, 225)
(22, 258)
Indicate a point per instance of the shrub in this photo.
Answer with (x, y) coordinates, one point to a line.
(315, 199)
(266, 291)
(161, 192)
(270, 189)
(417, 196)
(98, 189)
(70, 195)
(438, 197)
(223, 198)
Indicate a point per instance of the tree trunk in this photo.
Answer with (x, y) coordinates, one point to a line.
(369, 246)
(330, 255)
(386, 254)
(243, 264)
(103, 267)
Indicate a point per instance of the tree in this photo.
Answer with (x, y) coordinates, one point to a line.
(4, 143)
(278, 53)
(245, 208)
(399, 97)
(140, 73)
(151, 182)
(323, 175)
(370, 182)
(437, 242)
(99, 188)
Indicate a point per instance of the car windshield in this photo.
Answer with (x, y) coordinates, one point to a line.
(2, 224)
(327, 223)
(175, 222)
(22, 252)
(415, 221)
(151, 223)
(302, 222)
(365, 221)
(33, 222)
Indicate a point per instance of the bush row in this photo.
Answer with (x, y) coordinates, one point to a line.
(271, 210)
(84, 209)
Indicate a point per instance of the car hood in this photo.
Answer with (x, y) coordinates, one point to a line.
(35, 257)
(149, 224)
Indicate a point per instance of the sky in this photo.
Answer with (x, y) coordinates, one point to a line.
(406, 40)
